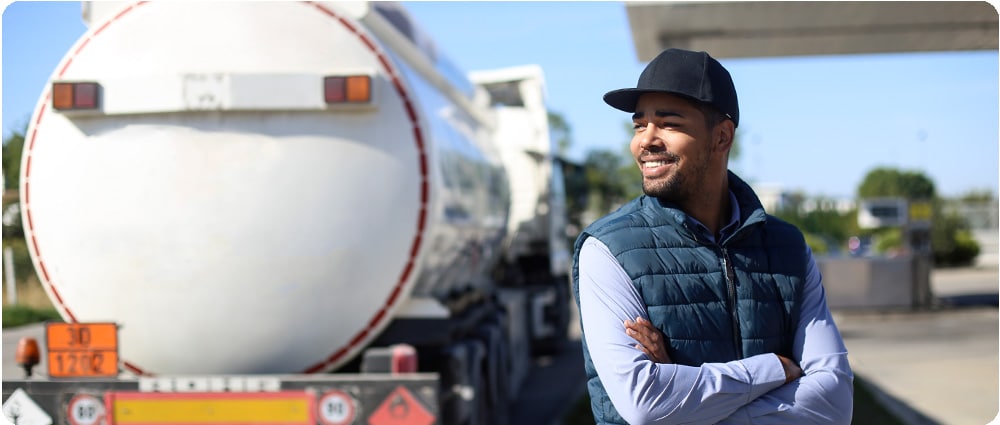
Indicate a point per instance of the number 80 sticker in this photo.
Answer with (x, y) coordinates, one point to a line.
(85, 409)
(336, 408)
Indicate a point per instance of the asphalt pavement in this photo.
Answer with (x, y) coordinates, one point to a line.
(11, 370)
(937, 366)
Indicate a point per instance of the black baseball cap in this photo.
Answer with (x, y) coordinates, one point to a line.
(695, 75)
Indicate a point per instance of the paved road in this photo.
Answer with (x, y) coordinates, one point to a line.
(554, 383)
(935, 367)
(10, 339)
(552, 387)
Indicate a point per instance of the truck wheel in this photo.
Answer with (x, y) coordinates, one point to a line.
(495, 372)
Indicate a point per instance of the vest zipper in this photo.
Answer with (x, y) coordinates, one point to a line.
(730, 289)
(733, 311)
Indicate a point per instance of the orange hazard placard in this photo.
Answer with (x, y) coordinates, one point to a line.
(77, 336)
(82, 350)
(401, 408)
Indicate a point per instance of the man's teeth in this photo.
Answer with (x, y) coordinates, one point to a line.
(653, 164)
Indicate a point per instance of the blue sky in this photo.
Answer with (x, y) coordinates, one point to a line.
(815, 124)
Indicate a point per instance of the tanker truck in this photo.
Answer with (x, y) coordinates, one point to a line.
(287, 212)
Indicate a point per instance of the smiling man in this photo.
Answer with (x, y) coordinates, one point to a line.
(698, 307)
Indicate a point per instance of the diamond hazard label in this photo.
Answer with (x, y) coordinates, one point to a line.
(401, 408)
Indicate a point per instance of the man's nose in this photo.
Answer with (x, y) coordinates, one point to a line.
(647, 137)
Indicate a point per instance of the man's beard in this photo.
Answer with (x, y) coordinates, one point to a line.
(680, 186)
(671, 189)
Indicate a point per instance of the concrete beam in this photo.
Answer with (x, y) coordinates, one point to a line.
(760, 29)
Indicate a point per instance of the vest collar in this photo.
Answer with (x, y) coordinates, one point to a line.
(748, 207)
(751, 210)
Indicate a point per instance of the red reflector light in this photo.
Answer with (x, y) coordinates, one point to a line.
(352, 89)
(85, 96)
(404, 358)
(334, 89)
(75, 96)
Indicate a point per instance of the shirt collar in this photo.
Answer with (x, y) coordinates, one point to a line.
(728, 229)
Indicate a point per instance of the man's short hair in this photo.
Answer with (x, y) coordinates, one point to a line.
(712, 114)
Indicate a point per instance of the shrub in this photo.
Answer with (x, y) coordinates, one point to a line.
(952, 242)
(963, 252)
(18, 315)
(816, 243)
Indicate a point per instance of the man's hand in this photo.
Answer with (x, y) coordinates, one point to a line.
(792, 370)
(650, 340)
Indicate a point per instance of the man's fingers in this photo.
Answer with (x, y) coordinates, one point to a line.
(640, 335)
(643, 332)
(650, 340)
(640, 324)
(636, 335)
(648, 337)
(644, 325)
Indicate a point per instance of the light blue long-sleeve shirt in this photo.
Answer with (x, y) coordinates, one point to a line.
(747, 391)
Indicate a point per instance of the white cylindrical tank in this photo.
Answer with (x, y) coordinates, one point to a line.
(225, 215)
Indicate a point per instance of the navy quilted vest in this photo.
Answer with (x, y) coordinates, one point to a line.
(707, 316)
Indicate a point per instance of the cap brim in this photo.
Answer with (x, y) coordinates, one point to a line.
(624, 99)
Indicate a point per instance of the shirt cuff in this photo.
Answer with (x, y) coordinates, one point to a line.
(766, 374)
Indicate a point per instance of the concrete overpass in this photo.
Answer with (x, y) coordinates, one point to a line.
(729, 29)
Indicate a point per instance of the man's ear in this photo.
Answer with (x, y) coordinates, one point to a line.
(724, 134)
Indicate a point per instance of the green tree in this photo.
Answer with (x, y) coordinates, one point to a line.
(577, 193)
(605, 179)
(560, 132)
(890, 182)
(12, 147)
(823, 228)
(829, 226)
(574, 176)
(628, 173)
(981, 196)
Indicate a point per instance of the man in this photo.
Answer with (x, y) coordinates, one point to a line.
(696, 306)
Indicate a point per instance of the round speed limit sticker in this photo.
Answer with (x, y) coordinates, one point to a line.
(85, 409)
(336, 408)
